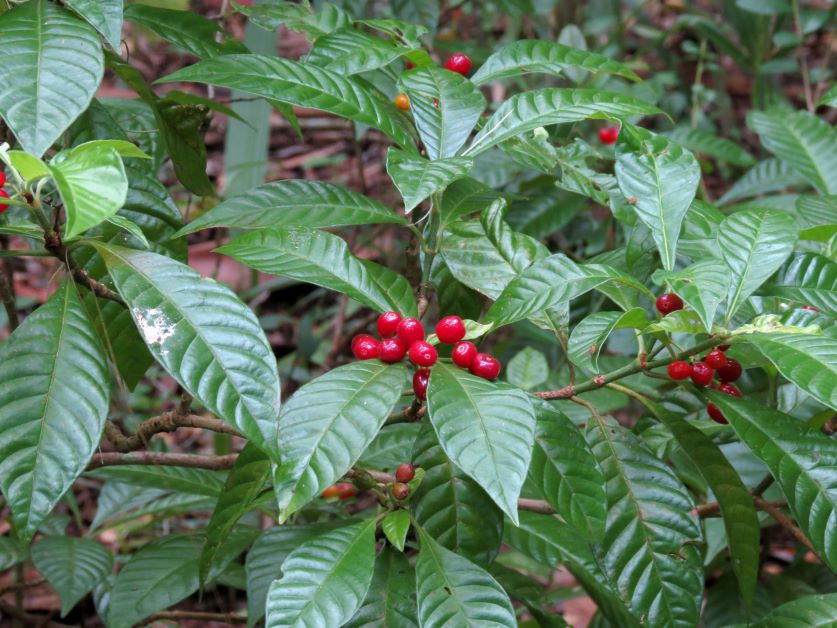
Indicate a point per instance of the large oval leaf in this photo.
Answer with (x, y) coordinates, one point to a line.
(417, 178)
(104, 15)
(769, 175)
(325, 580)
(715, 146)
(590, 335)
(703, 286)
(54, 399)
(323, 259)
(391, 600)
(204, 336)
(808, 279)
(52, 67)
(302, 85)
(486, 428)
(349, 51)
(811, 611)
(294, 203)
(327, 425)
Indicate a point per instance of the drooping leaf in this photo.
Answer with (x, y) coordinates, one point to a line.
(324, 580)
(52, 68)
(485, 428)
(323, 259)
(204, 336)
(769, 175)
(811, 611)
(715, 146)
(104, 15)
(809, 279)
(417, 178)
(703, 286)
(169, 478)
(391, 600)
(452, 591)
(72, 566)
(590, 335)
(294, 203)
(527, 369)
(326, 426)
(395, 526)
(54, 399)
(349, 51)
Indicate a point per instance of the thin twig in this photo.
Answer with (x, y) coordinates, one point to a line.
(214, 463)
(166, 422)
(53, 244)
(8, 297)
(783, 520)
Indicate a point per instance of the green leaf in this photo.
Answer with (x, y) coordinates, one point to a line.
(104, 15)
(527, 369)
(325, 580)
(464, 197)
(29, 167)
(445, 107)
(247, 479)
(803, 141)
(715, 146)
(349, 51)
(590, 335)
(294, 203)
(754, 244)
(452, 591)
(182, 127)
(53, 67)
(545, 57)
(323, 259)
(396, 525)
(204, 336)
(417, 178)
(703, 286)
(810, 362)
(187, 30)
(770, 175)
(486, 428)
(451, 507)
(391, 446)
(817, 217)
(326, 426)
(12, 552)
(809, 279)
(302, 85)
(811, 611)
(663, 177)
(802, 459)
(54, 399)
(72, 566)
(23, 229)
(124, 224)
(566, 472)
(649, 547)
(169, 478)
(123, 147)
(391, 600)
(553, 105)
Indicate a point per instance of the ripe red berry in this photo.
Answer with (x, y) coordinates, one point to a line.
(459, 63)
(730, 371)
(392, 350)
(716, 359)
(609, 134)
(2, 178)
(346, 491)
(729, 389)
(3, 206)
(400, 491)
(450, 329)
(405, 472)
(420, 380)
(409, 330)
(702, 374)
(808, 307)
(409, 64)
(716, 414)
(365, 347)
(668, 303)
(423, 353)
(464, 353)
(679, 370)
(402, 102)
(485, 366)
(388, 324)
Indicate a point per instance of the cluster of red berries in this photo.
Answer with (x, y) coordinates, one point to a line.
(608, 134)
(3, 193)
(403, 474)
(702, 373)
(459, 63)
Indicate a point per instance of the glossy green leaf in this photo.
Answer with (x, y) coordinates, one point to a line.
(663, 177)
(715, 146)
(650, 544)
(72, 566)
(391, 600)
(554, 105)
(51, 70)
(769, 175)
(590, 335)
(813, 611)
(12, 552)
(700, 230)
(323, 259)
(803, 141)
(182, 126)
(324, 580)
(395, 526)
(326, 426)
(104, 15)
(445, 107)
(23, 229)
(417, 178)
(817, 217)
(545, 57)
(486, 429)
(754, 244)
(29, 167)
(303, 85)
(392, 446)
(297, 17)
(703, 286)
(463, 197)
(808, 279)
(527, 369)
(168, 478)
(54, 399)
(294, 203)
(451, 507)
(124, 224)
(349, 51)
(204, 336)
(802, 459)
(452, 591)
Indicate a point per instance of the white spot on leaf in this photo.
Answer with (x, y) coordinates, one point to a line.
(154, 325)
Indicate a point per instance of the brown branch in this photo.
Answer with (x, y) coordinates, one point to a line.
(228, 618)
(213, 463)
(53, 244)
(166, 422)
(8, 298)
(783, 520)
(41, 621)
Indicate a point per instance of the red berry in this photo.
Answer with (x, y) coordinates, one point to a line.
(2, 178)
(388, 324)
(450, 330)
(392, 350)
(716, 414)
(346, 491)
(716, 359)
(409, 330)
(400, 491)
(410, 65)
(609, 134)
(402, 102)
(3, 206)
(405, 472)
(485, 366)
(679, 370)
(808, 307)
(331, 491)
(420, 380)
(459, 63)
(702, 374)
(423, 353)
(365, 347)
(730, 371)
(668, 303)
(729, 389)
(464, 353)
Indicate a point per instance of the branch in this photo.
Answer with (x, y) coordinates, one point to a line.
(228, 618)
(213, 463)
(53, 244)
(166, 422)
(783, 520)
